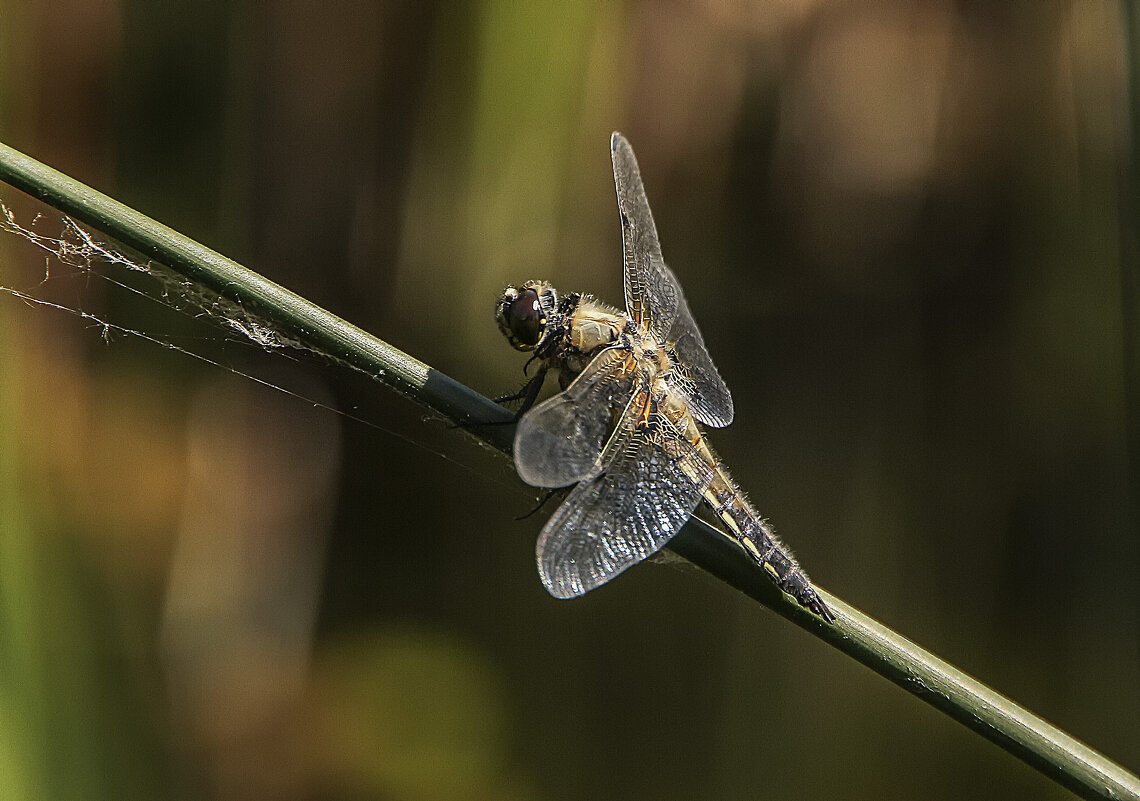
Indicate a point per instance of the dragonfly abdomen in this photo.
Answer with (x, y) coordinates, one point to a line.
(729, 503)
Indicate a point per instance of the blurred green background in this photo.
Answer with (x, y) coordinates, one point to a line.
(897, 224)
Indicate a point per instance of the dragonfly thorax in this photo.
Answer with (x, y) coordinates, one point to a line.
(594, 325)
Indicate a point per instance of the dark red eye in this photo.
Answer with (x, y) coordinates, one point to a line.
(525, 318)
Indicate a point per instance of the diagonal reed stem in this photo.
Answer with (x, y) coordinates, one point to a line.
(1033, 740)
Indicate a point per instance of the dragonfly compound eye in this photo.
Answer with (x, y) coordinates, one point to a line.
(521, 317)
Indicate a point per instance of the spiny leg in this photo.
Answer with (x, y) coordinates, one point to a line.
(528, 394)
(545, 499)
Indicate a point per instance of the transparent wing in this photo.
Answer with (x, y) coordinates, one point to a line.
(708, 396)
(560, 441)
(653, 298)
(619, 517)
(651, 291)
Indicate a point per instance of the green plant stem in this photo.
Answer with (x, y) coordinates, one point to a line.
(1015, 729)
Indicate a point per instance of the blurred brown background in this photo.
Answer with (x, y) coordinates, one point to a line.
(897, 224)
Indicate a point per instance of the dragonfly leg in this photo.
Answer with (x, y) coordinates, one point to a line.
(528, 394)
(545, 498)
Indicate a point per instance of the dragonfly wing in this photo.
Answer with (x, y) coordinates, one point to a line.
(560, 441)
(651, 292)
(653, 297)
(614, 520)
(708, 395)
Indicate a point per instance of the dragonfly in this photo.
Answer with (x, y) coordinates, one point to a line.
(625, 430)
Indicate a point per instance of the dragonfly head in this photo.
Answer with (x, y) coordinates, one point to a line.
(524, 313)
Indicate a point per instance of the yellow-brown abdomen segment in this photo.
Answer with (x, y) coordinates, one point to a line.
(729, 504)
